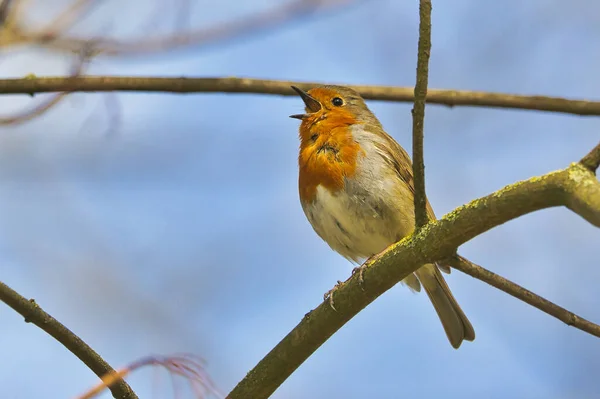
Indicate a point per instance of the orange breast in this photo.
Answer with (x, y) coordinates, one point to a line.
(328, 154)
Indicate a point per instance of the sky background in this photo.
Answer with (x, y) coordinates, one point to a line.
(181, 230)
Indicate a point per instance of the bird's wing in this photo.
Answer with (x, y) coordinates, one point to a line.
(400, 161)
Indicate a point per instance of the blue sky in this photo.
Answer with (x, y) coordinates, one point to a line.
(182, 231)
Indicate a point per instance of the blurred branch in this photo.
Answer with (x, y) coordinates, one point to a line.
(189, 367)
(278, 87)
(4, 10)
(55, 34)
(66, 20)
(418, 112)
(32, 313)
(45, 106)
(575, 187)
(562, 314)
(55, 37)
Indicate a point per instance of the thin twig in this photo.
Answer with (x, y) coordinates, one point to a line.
(65, 20)
(278, 87)
(418, 112)
(190, 367)
(45, 106)
(32, 313)
(567, 317)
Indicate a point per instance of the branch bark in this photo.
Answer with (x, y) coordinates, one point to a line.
(32, 313)
(49, 103)
(418, 112)
(562, 314)
(575, 187)
(592, 159)
(32, 85)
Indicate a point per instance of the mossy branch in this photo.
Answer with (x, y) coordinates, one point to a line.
(575, 187)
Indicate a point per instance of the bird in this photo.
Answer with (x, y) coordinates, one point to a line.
(356, 189)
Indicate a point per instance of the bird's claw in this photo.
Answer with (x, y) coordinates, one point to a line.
(329, 294)
(361, 281)
(360, 270)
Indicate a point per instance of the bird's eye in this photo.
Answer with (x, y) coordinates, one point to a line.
(338, 102)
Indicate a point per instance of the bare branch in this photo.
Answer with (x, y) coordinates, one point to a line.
(418, 112)
(435, 241)
(45, 106)
(32, 313)
(191, 368)
(4, 10)
(592, 159)
(278, 87)
(66, 20)
(276, 16)
(567, 317)
(12, 11)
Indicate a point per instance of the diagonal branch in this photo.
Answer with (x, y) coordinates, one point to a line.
(592, 159)
(418, 112)
(562, 314)
(450, 98)
(575, 187)
(36, 315)
(64, 21)
(187, 366)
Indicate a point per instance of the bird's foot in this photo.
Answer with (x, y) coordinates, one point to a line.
(329, 294)
(360, 270)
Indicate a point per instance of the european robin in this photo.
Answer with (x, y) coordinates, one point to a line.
(356, 189)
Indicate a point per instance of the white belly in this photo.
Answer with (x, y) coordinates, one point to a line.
(356, 226)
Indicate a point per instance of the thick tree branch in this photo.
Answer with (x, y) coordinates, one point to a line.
(575, 187)
(567, 317)
(418, 112)
(36, 315)
(32, 85)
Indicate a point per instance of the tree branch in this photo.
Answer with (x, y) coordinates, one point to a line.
(56, 38)
(32, 85)
(418, 112)
(42, 108)
(592, 159)
(562, 314)
(4, 10)
(36, 315)
(575, 187)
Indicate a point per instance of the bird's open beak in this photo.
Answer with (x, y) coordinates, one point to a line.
(311, 103)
